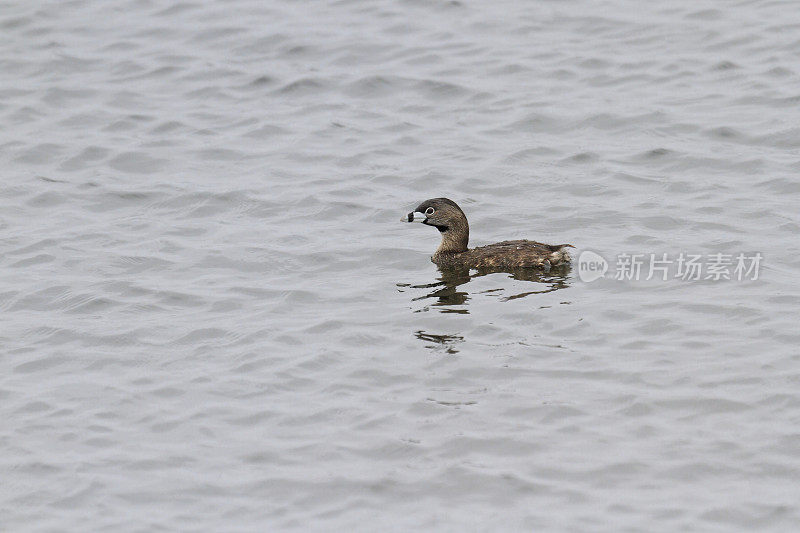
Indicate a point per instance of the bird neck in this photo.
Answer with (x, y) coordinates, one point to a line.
(455, 238)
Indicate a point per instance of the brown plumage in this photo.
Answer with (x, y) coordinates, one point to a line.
(453, 252)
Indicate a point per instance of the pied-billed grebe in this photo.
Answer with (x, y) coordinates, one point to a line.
(450, 220)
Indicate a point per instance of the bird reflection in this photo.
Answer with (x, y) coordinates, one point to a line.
(449, 294)
(440, 342)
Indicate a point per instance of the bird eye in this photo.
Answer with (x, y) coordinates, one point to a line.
(429, 211)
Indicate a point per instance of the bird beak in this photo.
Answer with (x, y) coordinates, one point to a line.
(416, 216)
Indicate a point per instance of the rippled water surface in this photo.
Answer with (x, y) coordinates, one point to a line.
(213, 320)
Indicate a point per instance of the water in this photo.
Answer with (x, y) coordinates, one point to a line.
(212, 319)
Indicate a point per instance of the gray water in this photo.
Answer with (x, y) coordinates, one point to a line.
(213, 320)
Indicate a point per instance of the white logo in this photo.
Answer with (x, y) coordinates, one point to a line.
(591, 266)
